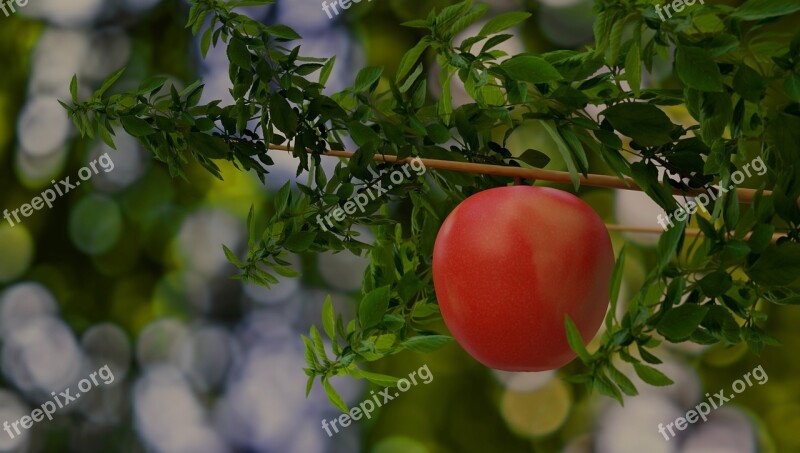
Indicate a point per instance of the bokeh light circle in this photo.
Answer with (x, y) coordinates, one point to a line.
(95, 224)
(18, 252)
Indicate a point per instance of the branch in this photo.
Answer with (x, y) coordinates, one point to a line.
(745, 195)
(688, 231)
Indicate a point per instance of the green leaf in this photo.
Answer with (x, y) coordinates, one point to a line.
(408, 286)
(376, 378)
(721, 324)
(367, 77)
(600, 31)
(527, 68)
(575, 147)
(282, 114)
(647, 356)
(716, 283)
(232, 257)
(490, 43)
(761, 237)
(319, 346)
(426, 343)
(300, 242)
(731, 214)
(764, 9)
(282, 32)
(576, 341)
(503, 22)
(410, 59)
(416, 23)
(644, 123)
(534, 158)
(393, 323)
(137, 127)
(715, 114)
(633, 68)
(362, 134)
(310, 384)
(411, 79)
(616, 283)
(373, 306)
(209, 146)
(748, 83)
(106, 136)
(311, 357)
(736, 249)
(566, 154)
(651, 375)
(329, 318)
(239, 54)
(152, 85)
(679, 323)
(282, 199)
(251, 227)
(452, 12)
(606, 387)
(438, 133)
(73, 89)
(696, 69)
(779, 265)
(792, 87)
(205, 41)
(334, 397)
(466, 20)
(622, 381)
(615, 41)
(327, 68)
(111, 80)
(287, 272)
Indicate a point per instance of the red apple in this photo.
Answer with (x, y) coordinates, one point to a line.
(510, 263)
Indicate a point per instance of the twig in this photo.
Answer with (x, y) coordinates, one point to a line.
(745, 195)
(649, 230)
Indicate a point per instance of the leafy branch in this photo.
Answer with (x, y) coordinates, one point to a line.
(739, 83)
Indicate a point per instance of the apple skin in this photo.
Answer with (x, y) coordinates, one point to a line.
(510, 263)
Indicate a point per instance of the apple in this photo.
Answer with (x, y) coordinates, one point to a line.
(510, 263)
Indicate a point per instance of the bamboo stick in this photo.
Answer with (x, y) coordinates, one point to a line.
(745, 195)
(652, 230)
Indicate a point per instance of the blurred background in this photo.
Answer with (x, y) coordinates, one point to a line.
(128, 270)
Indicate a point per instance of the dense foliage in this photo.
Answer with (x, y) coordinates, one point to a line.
(738, 80)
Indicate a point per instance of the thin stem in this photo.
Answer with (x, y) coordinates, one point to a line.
(649, 230)
(745, 195)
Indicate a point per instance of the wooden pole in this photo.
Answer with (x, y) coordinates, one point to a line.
(650, 230)
(745, 195)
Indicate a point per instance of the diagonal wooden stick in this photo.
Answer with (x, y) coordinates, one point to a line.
(745, 195)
